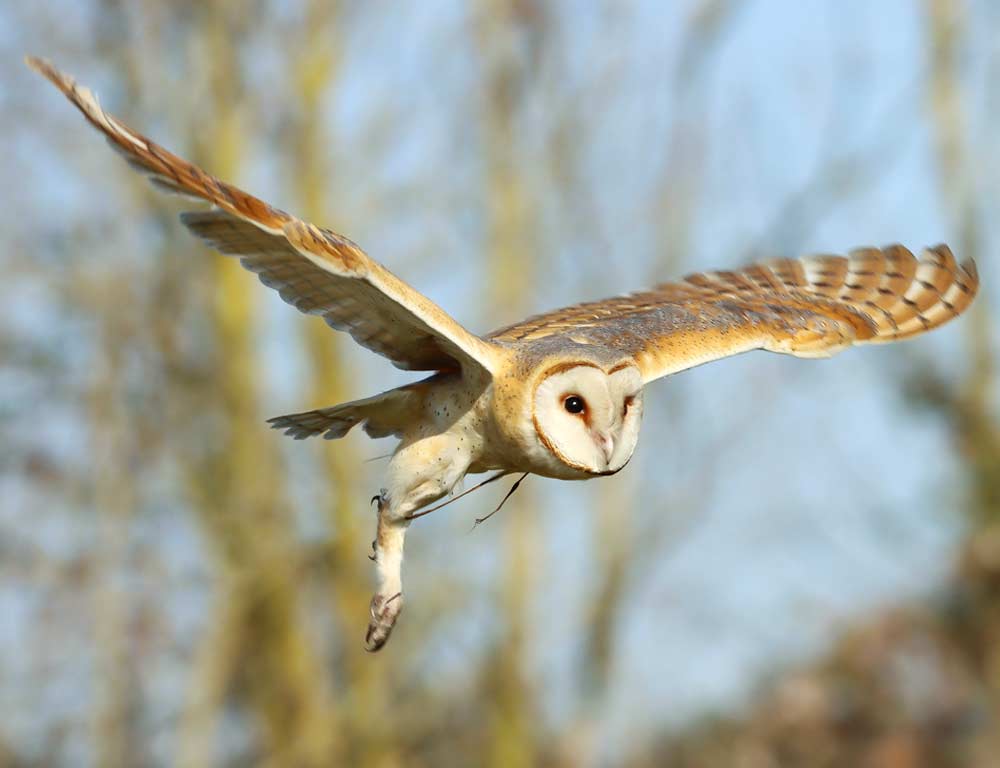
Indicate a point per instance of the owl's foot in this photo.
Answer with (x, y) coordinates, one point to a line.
(387, 548)
(385, 611)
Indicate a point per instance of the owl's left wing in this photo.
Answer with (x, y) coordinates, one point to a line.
(809, 307)
(317, 271)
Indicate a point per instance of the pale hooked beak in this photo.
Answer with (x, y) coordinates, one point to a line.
(607, 444)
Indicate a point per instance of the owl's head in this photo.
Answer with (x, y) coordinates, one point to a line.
(588, 417)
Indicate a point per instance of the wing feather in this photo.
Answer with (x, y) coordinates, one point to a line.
(317, 271)
(809, 307)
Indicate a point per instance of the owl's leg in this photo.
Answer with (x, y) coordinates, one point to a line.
(387, 602)
(420, 473)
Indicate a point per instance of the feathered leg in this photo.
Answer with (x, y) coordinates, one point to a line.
(387, 603)
(420, 472)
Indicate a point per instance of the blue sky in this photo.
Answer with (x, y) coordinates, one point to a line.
(819, 496)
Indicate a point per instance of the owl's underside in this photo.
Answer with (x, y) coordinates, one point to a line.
(559, 394)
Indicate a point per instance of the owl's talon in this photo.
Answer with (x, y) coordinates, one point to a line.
(384, 612)
(388, 556)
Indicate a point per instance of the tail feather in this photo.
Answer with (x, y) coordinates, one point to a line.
(332, 423)
(383, 415)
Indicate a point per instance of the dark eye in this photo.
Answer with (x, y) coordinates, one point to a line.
(574, 404)
(628, 404)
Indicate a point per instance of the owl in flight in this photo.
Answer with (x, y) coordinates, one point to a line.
(557, 395)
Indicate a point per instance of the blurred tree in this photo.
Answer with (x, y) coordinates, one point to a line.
(260, 645)
(917, 686)
(149, 478)
(361, 739)
(509, 32)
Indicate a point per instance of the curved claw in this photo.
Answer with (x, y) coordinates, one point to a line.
(384, 611)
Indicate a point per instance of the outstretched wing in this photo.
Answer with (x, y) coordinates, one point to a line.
(315, 270)
(809, 307)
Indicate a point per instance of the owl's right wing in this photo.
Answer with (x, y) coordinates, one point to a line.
(317, 271)
(809, 307)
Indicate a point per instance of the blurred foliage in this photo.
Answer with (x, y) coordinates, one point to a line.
(917, 686)
(250, 651)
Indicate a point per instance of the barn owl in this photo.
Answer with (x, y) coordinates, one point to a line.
(557, 395)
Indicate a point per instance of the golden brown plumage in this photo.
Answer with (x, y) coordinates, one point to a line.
(559, 394)
(809, 307)
(316, 270)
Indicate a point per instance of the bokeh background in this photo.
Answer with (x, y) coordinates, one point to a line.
(800, 567)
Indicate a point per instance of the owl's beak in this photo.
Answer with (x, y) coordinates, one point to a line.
(607, 444)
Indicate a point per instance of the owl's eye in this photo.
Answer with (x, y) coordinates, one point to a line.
(574, 404)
